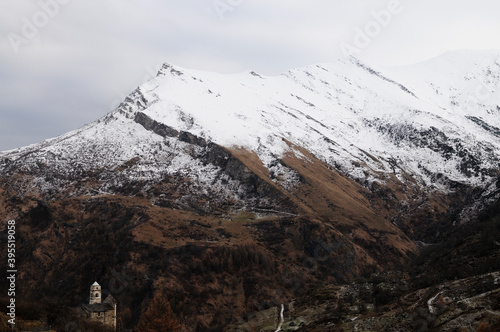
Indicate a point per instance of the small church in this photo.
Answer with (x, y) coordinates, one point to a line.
(100, 311)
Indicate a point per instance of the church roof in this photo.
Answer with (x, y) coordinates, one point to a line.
(106, 305)
(95, 284)
(96, 307)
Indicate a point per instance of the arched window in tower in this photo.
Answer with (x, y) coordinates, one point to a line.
(96, 294)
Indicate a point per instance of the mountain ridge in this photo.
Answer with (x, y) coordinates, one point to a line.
(347, 114)
(321, 174)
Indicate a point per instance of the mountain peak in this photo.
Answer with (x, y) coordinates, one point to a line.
(344, 112)
(168, 68)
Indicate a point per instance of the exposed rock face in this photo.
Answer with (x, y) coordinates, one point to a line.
(156, 127)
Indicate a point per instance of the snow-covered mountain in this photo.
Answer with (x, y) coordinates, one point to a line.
(229, 191)
(436, 122)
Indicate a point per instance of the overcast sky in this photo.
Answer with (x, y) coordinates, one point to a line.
(65, 63)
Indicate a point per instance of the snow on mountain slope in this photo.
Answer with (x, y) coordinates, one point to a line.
(437, 122)
(344, 112)
(112, 152)
(462, 82)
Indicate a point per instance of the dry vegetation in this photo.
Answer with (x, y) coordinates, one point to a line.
(208, 266)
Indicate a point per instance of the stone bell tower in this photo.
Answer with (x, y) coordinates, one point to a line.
(95, 293)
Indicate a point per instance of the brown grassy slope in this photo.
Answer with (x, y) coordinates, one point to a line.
(326, 195)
